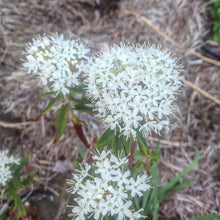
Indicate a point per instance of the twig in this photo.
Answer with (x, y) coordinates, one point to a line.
(170, 143)
(19, 125)
(200, 90)
(170, 40)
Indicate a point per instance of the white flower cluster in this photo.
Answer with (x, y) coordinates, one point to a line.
(58, 62)
(134, 87)
(5, 163)
(105, 188)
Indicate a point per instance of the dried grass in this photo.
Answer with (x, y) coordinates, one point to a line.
(197, 118)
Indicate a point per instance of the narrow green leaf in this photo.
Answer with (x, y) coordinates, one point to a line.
(84, 108)
(136, 203)
(154, 195)
(182, 185)
(50, 105)
(78, 89)
(205, 217)
(176, 179)
(81, 151)
(17, 200)
(28, 180)
(142, 144)
(155, 205)
(145, 200)
(61, 96)
(19, 205)
(105, 139)
(17, 184)
(116, 144)
(35, 77)
(136, 168)
(61, 120)
(83, 100)
(17, 172)
(127, 142)
(155, 155)
(47, 94)
(175, 189)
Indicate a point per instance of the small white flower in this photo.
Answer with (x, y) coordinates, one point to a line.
(102, 194)
(57, 62)
(138, 186)
(5, 163)
(134, 86)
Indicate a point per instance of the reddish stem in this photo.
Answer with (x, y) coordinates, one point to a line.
(131, 156)
(38, 117)
(55, 139)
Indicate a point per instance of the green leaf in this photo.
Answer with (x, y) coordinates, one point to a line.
(176, 188)
(127, 142)
(150, 203)
(28, 180)
(61, 96)
(136, 167)
(47, 94)
(17, 184)
(83, 100)
(17, 200)
(154, 195)
(205, 217)
(84, 108)
(145, 200)
(81, 151)
(142, 144)
(50, 105)
(19, 205)
(154, 156)
(61, 120)
(136, 203)
(164, 191)
(17, 172)
(116, 143)
(35, 77)
(182, 185)
(106, 138)
(78, 89)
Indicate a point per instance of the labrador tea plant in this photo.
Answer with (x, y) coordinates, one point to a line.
(131, 89)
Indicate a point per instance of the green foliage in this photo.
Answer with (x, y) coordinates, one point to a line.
(80, 105)
(215, 12)
(61, 120)
(47, 94)
(205, 217)
(152, 199)
(142, 144)
(81, 151)
(78, 89)
(50, 105)
(18, 181)
(106, 138)
(84, 108)
(118, 143)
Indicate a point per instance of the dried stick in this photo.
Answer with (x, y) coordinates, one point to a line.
(200, 90)
(170, 143)
(18, 125)
(170, 40)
